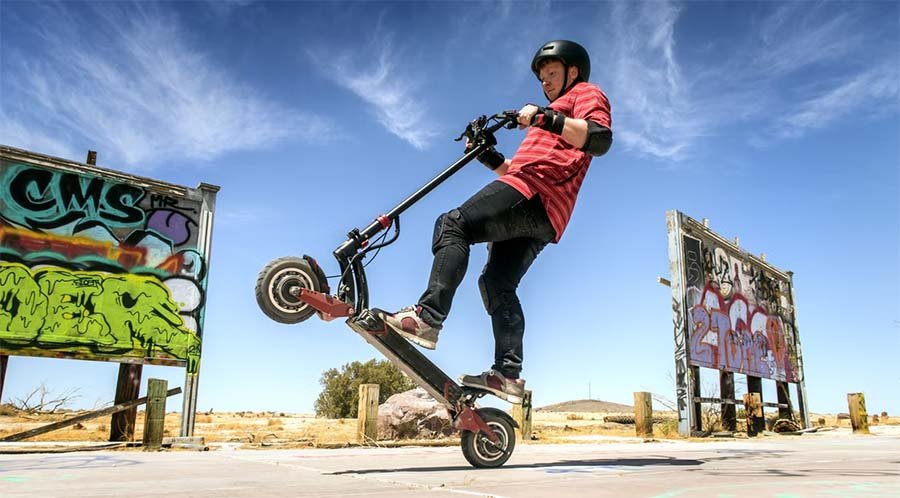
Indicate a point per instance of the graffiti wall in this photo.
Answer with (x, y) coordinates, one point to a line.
(98, 265)
(739, 309)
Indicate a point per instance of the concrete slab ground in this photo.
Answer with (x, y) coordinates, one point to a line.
(812, 465)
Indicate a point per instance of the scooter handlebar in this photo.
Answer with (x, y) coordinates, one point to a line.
(508, 119)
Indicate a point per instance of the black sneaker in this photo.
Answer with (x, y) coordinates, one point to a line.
(410, 325)
(512, 390)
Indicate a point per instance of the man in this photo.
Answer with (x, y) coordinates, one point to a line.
(528, 207)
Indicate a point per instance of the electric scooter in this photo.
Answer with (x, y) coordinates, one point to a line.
(292, 289)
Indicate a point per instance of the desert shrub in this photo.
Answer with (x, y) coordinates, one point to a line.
(274, 423)
(574, 416)
(340, 388)
(667, 428)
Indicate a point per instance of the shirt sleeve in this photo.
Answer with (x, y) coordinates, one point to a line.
(592, 104)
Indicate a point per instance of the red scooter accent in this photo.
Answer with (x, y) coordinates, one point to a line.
(470, 421)
(328, 306)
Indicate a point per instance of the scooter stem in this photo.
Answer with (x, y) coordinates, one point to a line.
(356, 240)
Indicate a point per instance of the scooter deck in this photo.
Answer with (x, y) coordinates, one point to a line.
(411, 361)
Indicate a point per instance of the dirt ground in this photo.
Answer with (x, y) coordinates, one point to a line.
(292, 430)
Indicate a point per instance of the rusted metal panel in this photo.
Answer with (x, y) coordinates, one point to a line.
(734, 311)
(97, 264)
(101, 265)
(684, 386)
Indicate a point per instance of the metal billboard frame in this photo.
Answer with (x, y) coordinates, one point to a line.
(205, 195)
(687, 381)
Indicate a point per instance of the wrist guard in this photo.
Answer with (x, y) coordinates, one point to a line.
(550, 120)
(491, 158)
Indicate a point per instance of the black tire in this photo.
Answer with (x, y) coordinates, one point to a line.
(276, 281)
(480, 451)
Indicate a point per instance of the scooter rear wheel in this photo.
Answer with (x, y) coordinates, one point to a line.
(278, 285)
(480, 451)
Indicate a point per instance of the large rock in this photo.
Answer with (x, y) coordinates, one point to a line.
(413, 414)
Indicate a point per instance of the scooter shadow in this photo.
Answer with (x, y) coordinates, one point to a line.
(606, 462)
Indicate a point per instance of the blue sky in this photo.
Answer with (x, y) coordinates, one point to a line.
(777, 121)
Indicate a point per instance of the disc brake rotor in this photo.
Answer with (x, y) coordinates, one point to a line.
(284, 289)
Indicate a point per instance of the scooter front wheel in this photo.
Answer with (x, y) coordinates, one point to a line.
(480, 451)
(278, 288)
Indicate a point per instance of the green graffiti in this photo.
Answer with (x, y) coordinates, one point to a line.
(93, 312)
(70, 319)
(23, 306)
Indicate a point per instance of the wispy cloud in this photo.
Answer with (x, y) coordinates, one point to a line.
(134, 85)
(836, 102)
(653, 110)
(800, 34)
(243, 217)
(376, 76)
(664, 104)
(14, 133)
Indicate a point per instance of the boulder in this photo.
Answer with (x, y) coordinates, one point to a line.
(413, 414)
(785, 425)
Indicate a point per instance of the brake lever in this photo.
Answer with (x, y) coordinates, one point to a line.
(512, 116)
(473, 129)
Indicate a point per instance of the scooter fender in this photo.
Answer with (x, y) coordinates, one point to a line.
(482, 412)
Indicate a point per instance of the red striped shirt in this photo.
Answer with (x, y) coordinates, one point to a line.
(548, 165)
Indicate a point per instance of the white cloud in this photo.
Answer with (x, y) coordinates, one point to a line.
(17, 135)
(663, 107)
(243, 217)
(653, 112)
(836, 102)
(392, 93)
(136, 88)
(800, 34)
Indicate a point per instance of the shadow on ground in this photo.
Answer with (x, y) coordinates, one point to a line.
(607, 462)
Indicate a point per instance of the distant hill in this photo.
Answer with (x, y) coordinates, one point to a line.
(587, 405)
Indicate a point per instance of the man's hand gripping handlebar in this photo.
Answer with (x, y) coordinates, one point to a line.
(480, 133)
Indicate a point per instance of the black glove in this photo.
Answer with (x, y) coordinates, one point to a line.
(550, 120)
(492, 158)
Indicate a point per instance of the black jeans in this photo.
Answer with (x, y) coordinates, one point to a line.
(517, 229)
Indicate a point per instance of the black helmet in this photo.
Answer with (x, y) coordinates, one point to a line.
(569, 52)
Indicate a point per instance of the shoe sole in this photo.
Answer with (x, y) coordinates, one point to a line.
(425, 343)
(512, 398)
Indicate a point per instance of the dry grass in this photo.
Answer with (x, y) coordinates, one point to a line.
(557, 427)
(277, 429)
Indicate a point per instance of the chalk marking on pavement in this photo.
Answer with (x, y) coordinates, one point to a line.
(869, 488)
(411, 485)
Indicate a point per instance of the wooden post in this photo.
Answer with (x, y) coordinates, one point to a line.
(4, 359)
(367, 414)
(522, 415)
(784, 398)
(729, 411)
(155, 416)
(754, 386)
(753, 408)
(121, 427)
(697, 407)
(80, 418)
(858, 417)
(643, 414)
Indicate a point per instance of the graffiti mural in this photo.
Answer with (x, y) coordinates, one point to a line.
(100, 266)
(740, 317)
